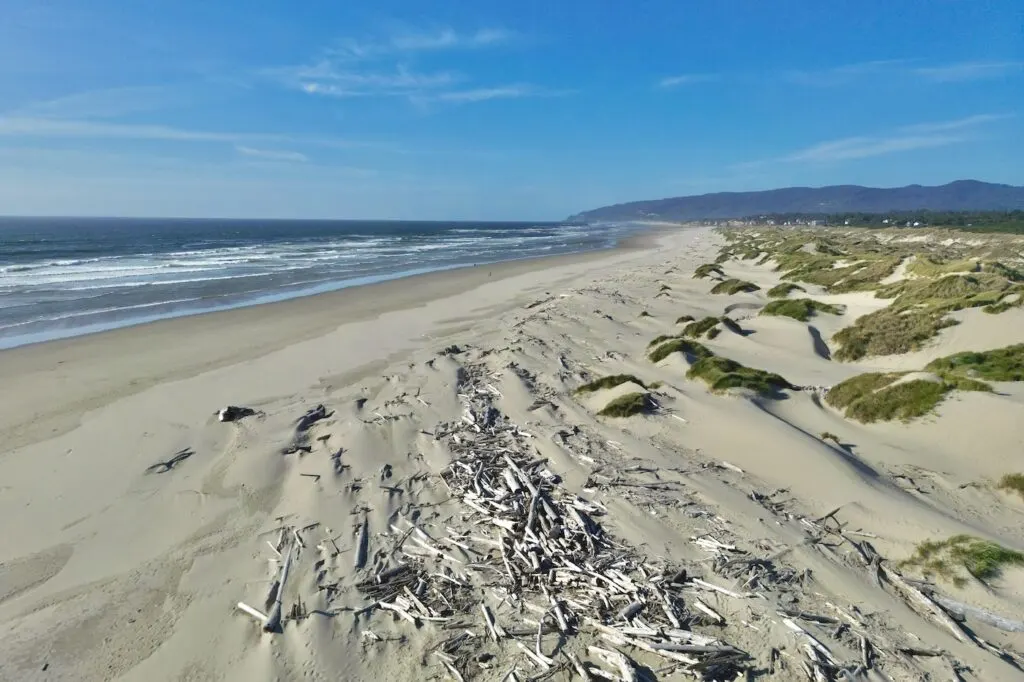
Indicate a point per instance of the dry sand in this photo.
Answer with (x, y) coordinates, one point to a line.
(110, 571)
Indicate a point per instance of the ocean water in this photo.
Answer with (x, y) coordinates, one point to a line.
(62, 277)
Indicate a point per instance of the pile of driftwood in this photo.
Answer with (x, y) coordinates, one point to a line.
(529, 560)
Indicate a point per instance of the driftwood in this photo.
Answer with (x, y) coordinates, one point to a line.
(164, 467)
(273, 620)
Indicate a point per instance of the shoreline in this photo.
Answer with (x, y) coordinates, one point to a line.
(143, 357)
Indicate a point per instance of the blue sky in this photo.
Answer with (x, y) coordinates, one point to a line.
(493, 110)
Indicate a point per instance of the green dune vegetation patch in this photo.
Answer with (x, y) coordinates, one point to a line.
(734, 286)
(933, 266)
(889, 331)
(707, 327)
(707, 270)
(609, 382)
(627, 405)
(1001, 364)
(783, 290)
(881, 396)
(800, 308)
(864, 274)
(951, 292)
(685, 318)
(1013, 483)
(691, 349)
(948, 558)
(722, 374)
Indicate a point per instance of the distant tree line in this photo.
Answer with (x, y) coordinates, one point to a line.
(976, 221)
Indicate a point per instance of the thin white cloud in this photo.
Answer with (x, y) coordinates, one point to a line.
(25, 127)
(500, 92)
(686, 79)
(325, 78)
(865, 147)
(843, 74)
(956, 124)
(271, 154)
(970, 71)
(421, 40)
(907, 138)
(105, 103)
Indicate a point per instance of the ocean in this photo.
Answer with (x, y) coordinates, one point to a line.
(62, 277)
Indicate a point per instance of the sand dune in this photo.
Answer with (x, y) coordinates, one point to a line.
(108, 571)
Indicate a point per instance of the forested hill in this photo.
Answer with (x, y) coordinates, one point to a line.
(962, 195)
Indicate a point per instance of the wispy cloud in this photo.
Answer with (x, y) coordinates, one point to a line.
(970, 71)
(328, 79)
(420, 40)
(380, 68)
(501, 92)
(271, 154)
(687, 79)
(106, 103)
(907, 138)
(26, 127)
(843, 74)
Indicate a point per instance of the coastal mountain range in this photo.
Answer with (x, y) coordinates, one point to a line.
(961, 195)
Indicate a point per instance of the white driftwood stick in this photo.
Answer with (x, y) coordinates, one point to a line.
(708, 611)
(966, 610)
(732, 467)
(922, 600)
(716, 588)
(273, 620)
(255, 613)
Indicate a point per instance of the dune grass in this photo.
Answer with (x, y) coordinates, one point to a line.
(609, 382)
(1001, 364)
(828, 435)
(704, 327)
(691, 349)
(731, 324)
(879, 396)
(799, 308)
(707, 270)
(1013, 483)
(980, 558)
(722, 374)
(644, 313)
(783, 290)
(657, 340)
(685, 318)
(627, 405)
(888, 332)
(734, 286)
(926, 265)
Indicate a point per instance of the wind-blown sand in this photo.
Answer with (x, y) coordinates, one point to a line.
(108, 571)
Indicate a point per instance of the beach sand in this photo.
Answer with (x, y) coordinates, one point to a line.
(110, 569)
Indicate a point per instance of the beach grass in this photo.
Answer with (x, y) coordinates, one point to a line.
(609, 382)
(734, 286)
(880, 396)
(982, 559)
(691, 349)
(706, 327)
(889, 332)
(722, 374)
(799, 308)
(627, 405)
(1001, 364)
(828, 435)
(1013, 483)
(783, 290)
(708, 269)
(682, 319)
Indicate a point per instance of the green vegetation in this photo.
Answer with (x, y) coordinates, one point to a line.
(799, 308)
(721, 374)
(971, 221)
(644, 313)
(707, 327)
(933, 266)
(734, 286)
(627, 405)
(685, 318)
(1013, 483)
(877, 396)
(828, 435)
(863, 275)
(783, 290)
(707, 270)
(691, 349)
(949, 292)
(889, 331)
(609, 382)
(730, 324)
(1002, 364)
(662, 339)
(980, 558)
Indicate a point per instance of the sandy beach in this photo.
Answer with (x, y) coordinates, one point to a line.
(113, 566)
